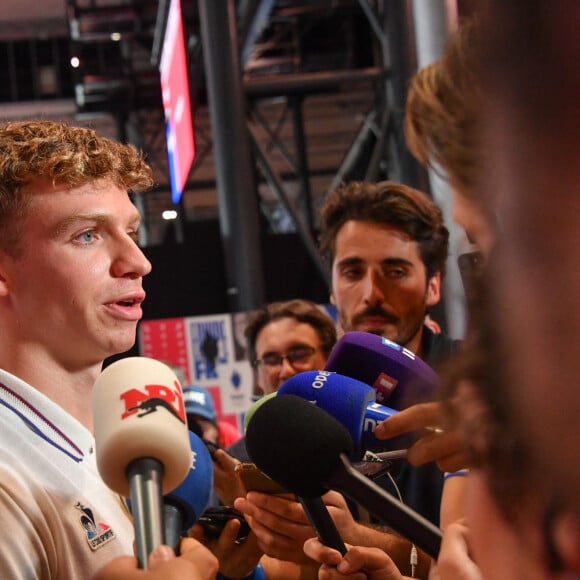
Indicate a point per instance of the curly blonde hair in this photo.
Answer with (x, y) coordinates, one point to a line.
(63, 155)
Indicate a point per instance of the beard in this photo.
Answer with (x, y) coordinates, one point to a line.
(400, 332)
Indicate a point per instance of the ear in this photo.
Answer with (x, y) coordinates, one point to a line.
(332, 300)
(433, 290)
(4, 285)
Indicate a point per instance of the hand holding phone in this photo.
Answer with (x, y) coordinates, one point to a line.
(214, 519)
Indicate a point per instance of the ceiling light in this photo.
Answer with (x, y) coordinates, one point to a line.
(169, 214)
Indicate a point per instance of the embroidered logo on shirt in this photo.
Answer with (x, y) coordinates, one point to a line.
(98, 534)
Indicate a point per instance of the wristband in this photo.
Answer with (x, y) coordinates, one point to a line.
(459, 473)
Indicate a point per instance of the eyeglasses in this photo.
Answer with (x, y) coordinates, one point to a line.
(297, 357)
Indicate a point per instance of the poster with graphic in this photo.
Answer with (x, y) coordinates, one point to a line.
(210, 347)
(208, 352)
(213, 361)
(236, 390)
(212, 352)
(165, 340)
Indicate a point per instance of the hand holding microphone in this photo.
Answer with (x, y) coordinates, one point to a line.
(141, 440)
(406, 383)
(370, 563)
(444, 446)
(315, 460)
(195, 563)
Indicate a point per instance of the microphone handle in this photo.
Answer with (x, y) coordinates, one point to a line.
(173, 517)
(145, 475)
(322, 523)
(404, 520)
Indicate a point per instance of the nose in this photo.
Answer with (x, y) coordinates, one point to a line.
(130, 261)
(286, 370)
(373, 293)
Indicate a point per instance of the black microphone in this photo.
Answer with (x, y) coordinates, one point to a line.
(315, 455)
(323, 524)
(314, 507)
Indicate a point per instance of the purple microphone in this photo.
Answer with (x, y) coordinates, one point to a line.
(399, 377)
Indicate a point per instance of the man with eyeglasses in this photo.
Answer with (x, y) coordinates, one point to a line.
(285, 338)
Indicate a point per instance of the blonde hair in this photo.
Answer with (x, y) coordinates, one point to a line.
(443, 112)
(63, 155)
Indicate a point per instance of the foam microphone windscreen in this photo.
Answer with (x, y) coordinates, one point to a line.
(293, 456)
(399, 377)
(184, 505)
(306, 450)
(349, 401)
(192, 495)
(138, 412)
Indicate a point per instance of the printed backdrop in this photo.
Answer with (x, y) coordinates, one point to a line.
(212, 352)
(211, 355)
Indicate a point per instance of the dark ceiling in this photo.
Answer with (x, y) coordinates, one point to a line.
(323, 97)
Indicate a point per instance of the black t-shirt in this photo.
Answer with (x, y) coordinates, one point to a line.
(421, 487)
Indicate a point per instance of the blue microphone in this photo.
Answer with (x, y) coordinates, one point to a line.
(185, 504)
(349, 401)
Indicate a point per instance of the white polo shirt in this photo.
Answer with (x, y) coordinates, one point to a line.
(57, 517)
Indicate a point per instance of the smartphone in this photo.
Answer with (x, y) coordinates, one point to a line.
(213, 520)
(255, 480)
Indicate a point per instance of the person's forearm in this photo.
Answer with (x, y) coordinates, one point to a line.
(397, 547)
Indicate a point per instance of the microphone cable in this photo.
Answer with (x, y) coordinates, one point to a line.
(414, 556)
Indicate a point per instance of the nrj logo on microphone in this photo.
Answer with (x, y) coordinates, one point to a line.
(151, 398)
